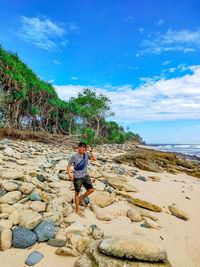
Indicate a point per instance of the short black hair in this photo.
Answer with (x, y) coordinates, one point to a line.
(82, 144)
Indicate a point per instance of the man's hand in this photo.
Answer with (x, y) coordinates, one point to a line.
(71, 177)
(88, 148)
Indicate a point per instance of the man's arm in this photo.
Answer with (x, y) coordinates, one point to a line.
(92, 154)
(69, 172)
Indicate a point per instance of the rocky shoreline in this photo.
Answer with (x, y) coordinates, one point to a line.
(37, 205)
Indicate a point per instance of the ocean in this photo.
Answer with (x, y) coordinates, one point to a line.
(191, 150)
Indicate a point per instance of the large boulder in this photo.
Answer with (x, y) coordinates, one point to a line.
(102, 199)
(134, 247)
(45, 230)
(100, 213)
(29, 219)
(94, 258)
(23, 238)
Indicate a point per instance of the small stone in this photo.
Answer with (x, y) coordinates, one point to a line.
(35, 197)
(56, 243)
(45, 230)
(6, 223)
(41, 178)
(142, 178)
(67, 252)
(34, 258)
(144, 225)
(134, 215)
(23, 238)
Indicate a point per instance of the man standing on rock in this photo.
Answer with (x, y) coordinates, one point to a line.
(81, 177)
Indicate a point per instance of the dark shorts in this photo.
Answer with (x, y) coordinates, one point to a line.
(85, 181)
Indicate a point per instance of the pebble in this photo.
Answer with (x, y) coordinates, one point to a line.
(56, 243)
(142, 178)
(35, 197)
(34, 258)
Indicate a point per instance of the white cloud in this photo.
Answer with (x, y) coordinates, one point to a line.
(129, 19)
(141, 30)
(56, 62)
(176, 98)
(161, 21)
(184, 40)
(74, 78)
(166, 62)
(42, 32)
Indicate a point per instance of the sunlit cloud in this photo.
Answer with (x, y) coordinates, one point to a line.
(154, 100)
(184, 40)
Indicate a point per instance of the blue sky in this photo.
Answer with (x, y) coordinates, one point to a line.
(144, 55)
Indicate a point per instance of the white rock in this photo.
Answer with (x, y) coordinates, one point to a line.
(9, 186)
(11, 175)
(11, 197)
(38, 206)
(6, 223)
(26, 188)
(29, 219)
(5, 239)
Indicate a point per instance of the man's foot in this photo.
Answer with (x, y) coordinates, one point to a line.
(82, 201)
(80, 213)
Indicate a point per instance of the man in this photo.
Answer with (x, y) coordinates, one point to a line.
(80, 161)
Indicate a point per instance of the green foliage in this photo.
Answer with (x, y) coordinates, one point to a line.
(27, 102)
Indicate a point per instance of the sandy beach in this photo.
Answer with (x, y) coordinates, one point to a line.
(179, 237)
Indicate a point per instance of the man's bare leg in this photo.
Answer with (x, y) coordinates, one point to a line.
(87, 193)
(77, 202)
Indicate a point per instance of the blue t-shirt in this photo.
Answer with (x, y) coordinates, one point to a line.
(75, 159)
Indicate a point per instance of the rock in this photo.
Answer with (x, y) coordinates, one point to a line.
(94, 173)
(38, 206)
(55, 216)
(35, 197)
(154, 178)
(100, 213)
(26, 188)
(41, 178)
(82, 244)
(117, 183)
(11, 175)
(102, 199)
(146, 204)
(56, 243)
(9, 186)
(4, 215)
(29, 219)
(6, 223)
(93, 258)
(23, 238)
(77, 227)
(15, 216)
(45, 197)
(96, 234)
(175, 209)
(21, 162)
(60, 234)
(2, 193)
(67, 252)
(152, 224)
(60, 204)
(34, 258)
(142, 178)
(133, 247)
(99, 186)
(11, 197)
(5, 239)
(45, 230)
(134, 215)
(6, 208)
